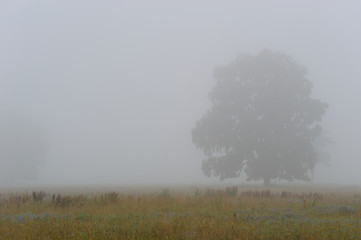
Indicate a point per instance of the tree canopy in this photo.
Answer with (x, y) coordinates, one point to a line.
(262, 120)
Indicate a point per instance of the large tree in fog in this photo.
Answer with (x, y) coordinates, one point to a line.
(262, 120)
(23, 148)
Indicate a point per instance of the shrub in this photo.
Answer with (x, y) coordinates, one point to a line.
(38, 196)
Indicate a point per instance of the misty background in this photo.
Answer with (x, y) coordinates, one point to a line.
(118, 85)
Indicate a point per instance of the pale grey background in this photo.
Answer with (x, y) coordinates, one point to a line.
(120, 84)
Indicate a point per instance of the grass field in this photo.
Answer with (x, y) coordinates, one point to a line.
(204, 213)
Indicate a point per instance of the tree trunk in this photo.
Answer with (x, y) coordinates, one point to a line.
(267, 182)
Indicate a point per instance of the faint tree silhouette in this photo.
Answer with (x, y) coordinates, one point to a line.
(263, 120)
(23, 148)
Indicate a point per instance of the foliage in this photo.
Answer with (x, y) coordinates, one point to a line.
(38, 196)
(263, 120)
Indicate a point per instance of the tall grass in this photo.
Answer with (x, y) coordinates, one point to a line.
(204, 214)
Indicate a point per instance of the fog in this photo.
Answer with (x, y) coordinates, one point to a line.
(119, 85)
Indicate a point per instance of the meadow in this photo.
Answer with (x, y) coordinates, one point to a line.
(194, 213)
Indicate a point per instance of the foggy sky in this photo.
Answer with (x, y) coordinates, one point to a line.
(119, 85)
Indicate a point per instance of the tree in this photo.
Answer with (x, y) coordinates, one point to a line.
(262, 120)
(23, 148)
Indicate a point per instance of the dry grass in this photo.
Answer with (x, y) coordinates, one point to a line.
(223, 213)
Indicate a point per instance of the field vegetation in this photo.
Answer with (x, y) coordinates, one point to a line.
(203, 213)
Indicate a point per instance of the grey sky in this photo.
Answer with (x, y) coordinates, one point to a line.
(120, 84)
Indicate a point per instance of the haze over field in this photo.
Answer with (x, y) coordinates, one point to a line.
(118, 85)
